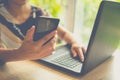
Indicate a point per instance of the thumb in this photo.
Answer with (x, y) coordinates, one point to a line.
(29, 34)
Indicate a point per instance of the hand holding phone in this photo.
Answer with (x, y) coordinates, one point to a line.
(44, 25)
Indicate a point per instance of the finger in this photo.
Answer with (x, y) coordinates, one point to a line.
(30, 33)
(47, 37)
(84, 50)
(73, 52)
(51, 44)
(80, 53)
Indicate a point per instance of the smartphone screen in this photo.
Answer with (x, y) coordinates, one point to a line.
(44, 25)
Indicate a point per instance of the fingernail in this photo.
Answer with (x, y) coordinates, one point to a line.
(74, 55)
(82, 59)
(33, 26)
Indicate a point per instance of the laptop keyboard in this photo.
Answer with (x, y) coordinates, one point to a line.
(67, 61)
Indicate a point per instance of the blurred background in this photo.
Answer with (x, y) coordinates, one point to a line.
(77, 16)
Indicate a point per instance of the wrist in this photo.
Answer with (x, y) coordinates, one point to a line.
(74, 42)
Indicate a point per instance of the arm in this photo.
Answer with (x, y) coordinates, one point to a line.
(65, 35)
(29, 49)
(77, 50)
(9, 55)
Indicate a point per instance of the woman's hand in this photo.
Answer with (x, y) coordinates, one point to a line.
(37, 49)
(78, 50)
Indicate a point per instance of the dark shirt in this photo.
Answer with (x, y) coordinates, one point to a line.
(24, 26)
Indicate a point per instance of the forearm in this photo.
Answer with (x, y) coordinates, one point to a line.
(69, 38)
(66, 36)
(7, 55)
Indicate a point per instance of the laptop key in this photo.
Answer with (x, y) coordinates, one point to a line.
(66, 60)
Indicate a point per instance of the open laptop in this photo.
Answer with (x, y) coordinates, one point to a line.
(104, 40)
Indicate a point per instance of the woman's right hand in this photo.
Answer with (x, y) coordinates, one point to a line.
(31, 50)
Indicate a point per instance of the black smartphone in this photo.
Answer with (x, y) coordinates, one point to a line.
(44, 25)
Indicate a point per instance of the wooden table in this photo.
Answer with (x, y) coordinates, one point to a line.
(31, 70)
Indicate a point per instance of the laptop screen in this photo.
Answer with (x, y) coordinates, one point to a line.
(105, 36)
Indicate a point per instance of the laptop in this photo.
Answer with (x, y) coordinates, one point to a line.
(104, 40)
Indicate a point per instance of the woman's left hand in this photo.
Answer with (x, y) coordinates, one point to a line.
(78, 50)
